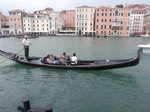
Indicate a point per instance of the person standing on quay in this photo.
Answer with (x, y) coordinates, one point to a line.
(26, 44)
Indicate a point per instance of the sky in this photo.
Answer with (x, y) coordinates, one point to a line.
(57, 5)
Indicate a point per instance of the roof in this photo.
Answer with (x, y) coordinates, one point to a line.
(46, 9)
(132, 6)
(138, 10)
(104, 7)
(147, 15)
(15, 11)
(84, 6)
(2, 15)
(49, 9)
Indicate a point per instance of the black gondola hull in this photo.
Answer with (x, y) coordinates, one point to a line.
(82, 64)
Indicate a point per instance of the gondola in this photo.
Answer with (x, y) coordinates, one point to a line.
(82, 64)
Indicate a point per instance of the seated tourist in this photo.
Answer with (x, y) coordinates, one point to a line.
(47, 59)
(56, 60)
(74, 59)
(64, 58)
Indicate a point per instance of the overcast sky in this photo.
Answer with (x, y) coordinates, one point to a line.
(31, 5)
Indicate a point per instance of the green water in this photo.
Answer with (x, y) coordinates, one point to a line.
(117, 90)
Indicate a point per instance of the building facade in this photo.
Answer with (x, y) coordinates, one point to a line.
(84, 20)
(69, 19)
(36, 24)
(15, 22)
(3, 25)
(136, 19)
(147, 24)
(120, 21)
(55, 19)
(11, 24)
(57, 22)
(103, 21)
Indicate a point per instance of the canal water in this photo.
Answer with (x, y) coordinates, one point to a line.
(116, 90)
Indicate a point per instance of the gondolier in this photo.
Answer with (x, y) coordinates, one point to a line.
(26, 44)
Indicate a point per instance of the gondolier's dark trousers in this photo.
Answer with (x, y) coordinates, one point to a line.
(26, 51)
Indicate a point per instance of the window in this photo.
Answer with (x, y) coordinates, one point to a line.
(97, 26)
(109, 26)
(101, 26)
(91, 15)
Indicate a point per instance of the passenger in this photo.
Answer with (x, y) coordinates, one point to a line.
(47, 59)
(63, 59)
(63, 56)
(51, 56)
(56, 60)
(74, 59)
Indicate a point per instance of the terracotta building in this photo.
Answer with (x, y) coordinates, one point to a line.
(3, 24)
(103, 21)
(69, 19)
(15, 21)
